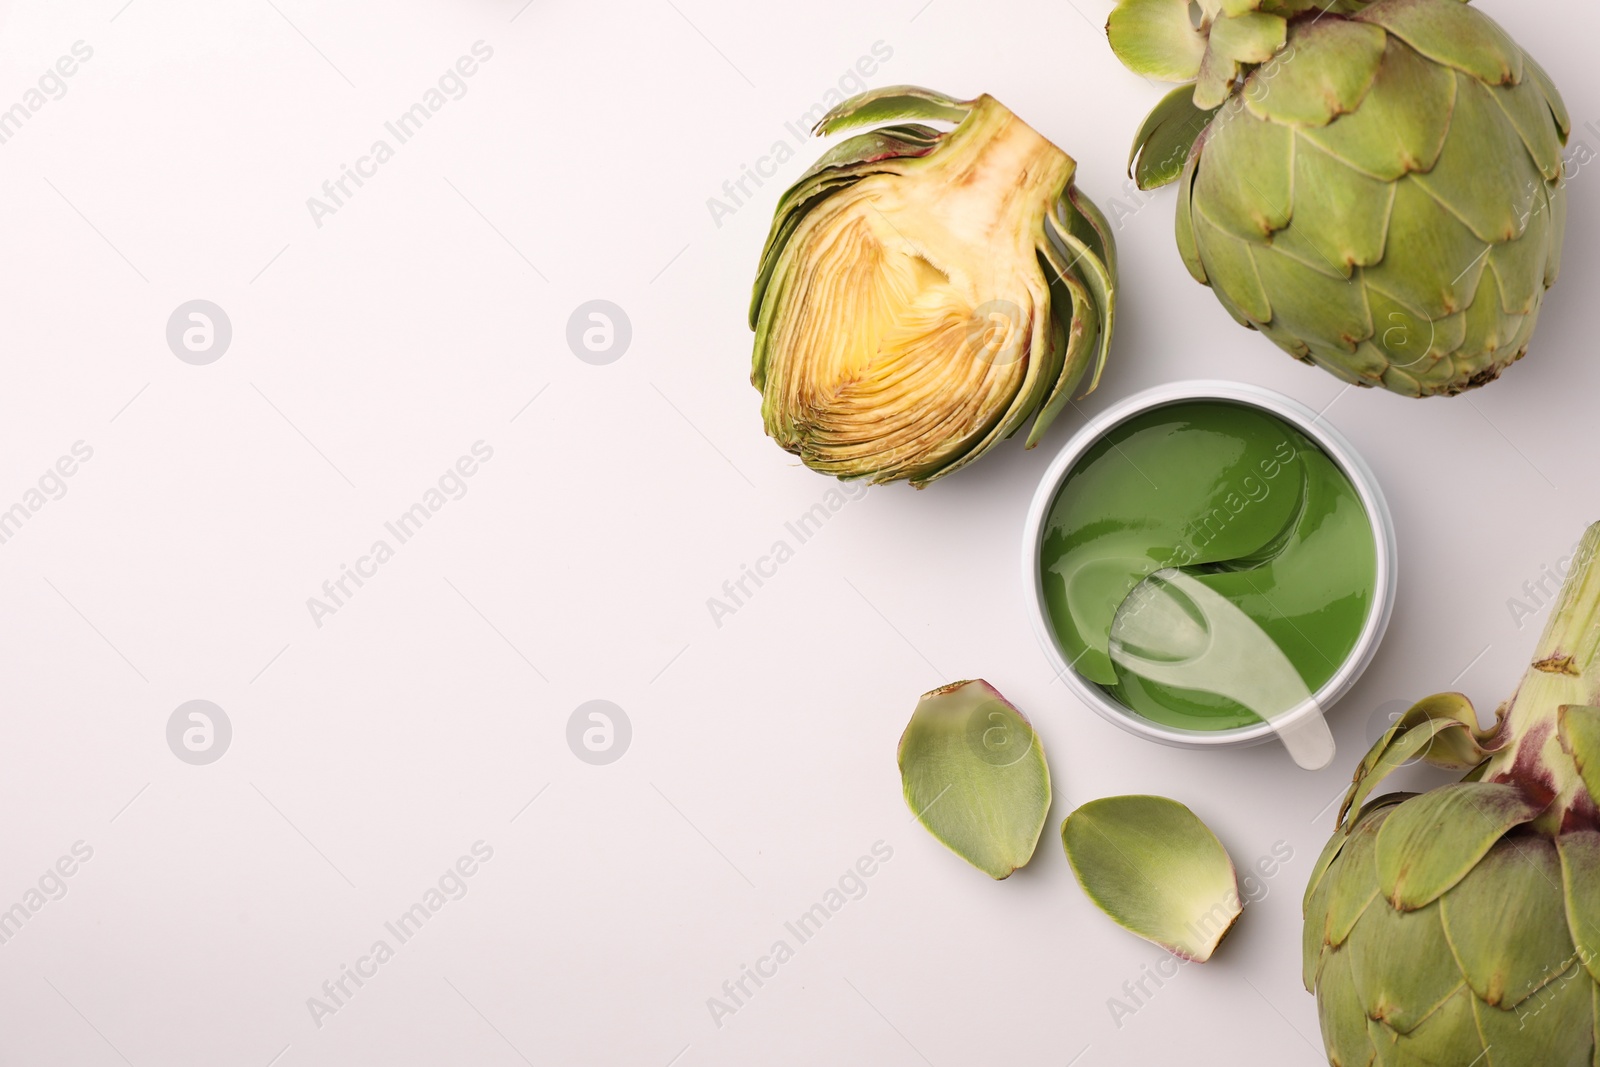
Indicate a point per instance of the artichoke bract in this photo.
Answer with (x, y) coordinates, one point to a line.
(1462, 925)
(1155, 870)
(1375, 186)
(975, 776)
(924, 292)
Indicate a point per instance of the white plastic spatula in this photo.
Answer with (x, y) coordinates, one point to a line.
(1175, 631)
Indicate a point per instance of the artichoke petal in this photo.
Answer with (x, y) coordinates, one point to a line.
(1090, 224)
(1156, 39)
(1156, 870)
(1552, 95)
(1401, 126)
(1234, 260)
(1429, 843)
(1490, 328)
(1248, 36)
(1417, 734)
(1410, 341)
(1314, 948)
(1484, 152)
(1245, 181)
(974, 774)
(1163, 144)
(1539, 1031)
(1449, 1035)
(1528, 110)
(1214, 84)
(1077, 347)
(1400, 997)
(1184, 225)
(1456, 35)
(1579, 726)
(1099, 280)
(1354, 882)
(1326, 71)
(1516, 887)
(1308, 303)
(1344, 1021)
(1557, 200)
(892, 103)
(1580, 882)
(1518, 266)
(1432, 261)
(1349, 229)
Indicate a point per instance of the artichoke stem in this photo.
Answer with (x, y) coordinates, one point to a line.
(1565, 670)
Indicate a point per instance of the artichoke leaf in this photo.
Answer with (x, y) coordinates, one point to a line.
(1353, 883)
(1400, 997)
(974, 774)
(1188, 249)
(1325, 71)
(1539, 1032)
(1432, 262)
(1248, 36)
(1214, 83)
(1580, 883)
(1429, 843)
(1079, 344)
(1080, 216)
(892, 103)
(1517, 886)
(1431, 723)
(1449, 1035)
(1552, 95)
(1344, 1023)
(1484, 151)
(1156, 39)
(1156, 870)
(1518, 266)
(1313, 945)
(1246, 174)
(1401, 126)
(1579, 726)
(1102, 287)
(1528, 109)
(1456, 35)
(1162, 146)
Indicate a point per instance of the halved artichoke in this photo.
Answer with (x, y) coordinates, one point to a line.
(924, 292)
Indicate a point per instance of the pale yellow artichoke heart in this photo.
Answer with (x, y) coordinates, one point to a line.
(922, 317)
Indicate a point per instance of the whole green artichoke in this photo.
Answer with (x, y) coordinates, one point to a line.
(1376, 186)
(1462, 926)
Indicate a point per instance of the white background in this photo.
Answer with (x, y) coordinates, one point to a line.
(369, 753)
